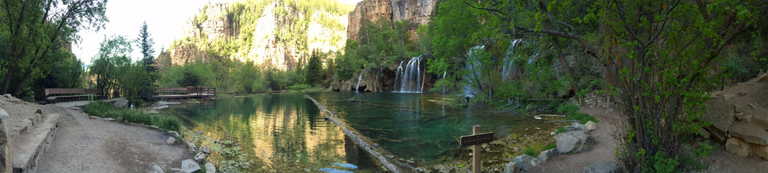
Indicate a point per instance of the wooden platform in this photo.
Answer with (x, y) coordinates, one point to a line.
(181, 96)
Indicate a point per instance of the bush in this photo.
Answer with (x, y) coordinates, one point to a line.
(560, 130)
(108, 110)
(299, 87)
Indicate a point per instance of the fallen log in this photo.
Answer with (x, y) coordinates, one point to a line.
(378, 153)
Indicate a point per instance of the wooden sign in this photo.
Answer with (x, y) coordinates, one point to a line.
(476, 139)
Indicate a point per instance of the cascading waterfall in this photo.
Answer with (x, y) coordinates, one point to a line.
(410, 80)
(397, 75)
(359, 78)
(470, 91)
(509, 65)
(444, 72)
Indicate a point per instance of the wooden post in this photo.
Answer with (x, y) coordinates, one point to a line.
(476, 164)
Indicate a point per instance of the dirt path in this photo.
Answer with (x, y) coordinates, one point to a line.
(603, 151)
(93, 145)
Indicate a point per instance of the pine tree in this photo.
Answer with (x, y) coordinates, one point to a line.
(314, 69)
(145, 42)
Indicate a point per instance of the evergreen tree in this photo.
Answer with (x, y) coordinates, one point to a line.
(145, 42)
(314, 73)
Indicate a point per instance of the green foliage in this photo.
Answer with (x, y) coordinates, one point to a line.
(704, 149)
(570, 111)
(552, 145)
(108, 110)
(560, 130)
(116, 75)
(314, 69)
(34, 35)
(299, 87)
(68, 74)
(663, 163)
(530, 152)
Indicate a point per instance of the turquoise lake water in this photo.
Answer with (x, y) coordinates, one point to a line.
(287, 131)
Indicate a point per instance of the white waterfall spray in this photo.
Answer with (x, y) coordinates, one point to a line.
(410, 80)
(359, 78)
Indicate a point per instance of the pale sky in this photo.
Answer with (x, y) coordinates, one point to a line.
(165, 21)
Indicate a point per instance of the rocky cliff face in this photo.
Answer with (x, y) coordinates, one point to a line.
(273, 41)
(414, 11)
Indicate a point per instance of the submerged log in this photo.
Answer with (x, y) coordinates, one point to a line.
(366, 143)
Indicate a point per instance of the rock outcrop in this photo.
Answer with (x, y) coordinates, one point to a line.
(739, 116)
(274, 41)
(416, 12)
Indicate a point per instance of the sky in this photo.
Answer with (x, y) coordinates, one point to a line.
(165, 21)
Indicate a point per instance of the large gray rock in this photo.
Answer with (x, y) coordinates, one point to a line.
(121, 103)
(721, 114)
(576, 126)
(527, 162)
(199, 157)
(209, 168)
(545, 155)
(174, 134)
(190, 146)
(205, 150)
(574, 142)
(4, 114)
(603, 167)
(512, 167)
(189, 166)
(170, 141)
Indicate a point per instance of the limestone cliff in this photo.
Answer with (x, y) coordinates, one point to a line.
(275, 34)
(414, 11)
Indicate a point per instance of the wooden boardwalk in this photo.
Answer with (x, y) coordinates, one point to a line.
(188, 92)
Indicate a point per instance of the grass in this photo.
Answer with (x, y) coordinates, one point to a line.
(530, 152)
(108, 110)
(570, 111)
(560, 130)
(549, 147)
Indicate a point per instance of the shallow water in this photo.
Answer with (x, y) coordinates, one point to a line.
(287, 131)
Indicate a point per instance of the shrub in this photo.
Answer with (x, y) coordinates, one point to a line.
(560, 130)
(299, 87)
(108, 110)
(570, 111)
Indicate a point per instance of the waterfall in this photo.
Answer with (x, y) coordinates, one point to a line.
(397, 75)
(472, 61)
(411, 79)
(509, 65)
(444, 72)
(359, 78)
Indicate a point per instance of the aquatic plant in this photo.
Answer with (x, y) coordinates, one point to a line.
(108, 110)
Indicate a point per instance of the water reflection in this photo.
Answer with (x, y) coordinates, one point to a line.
(280, 133)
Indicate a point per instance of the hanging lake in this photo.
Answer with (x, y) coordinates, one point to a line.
(288, 132)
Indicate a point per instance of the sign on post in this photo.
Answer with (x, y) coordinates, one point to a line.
(475, 140)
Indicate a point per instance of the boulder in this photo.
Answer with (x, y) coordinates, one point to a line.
(126, 122)
(576, 126)
(121, 103)
(760, 151)
(737, 108)
(750, 132)
(209, 168)
(738, 147)
(574, 142)
(512, 167)
(154, 127)
(171, 141)
(119, 119)
(739, 116)
(175, 170)
(174, 134)
(603, 167)
(4, 114)
(720, 113)
(527, 162)
(703, 133)
(591, 126)
(205, 150)
(200, 156)
(109, 119)
(545, 155)
(190, 146)
(157, 169)
(189, 166)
